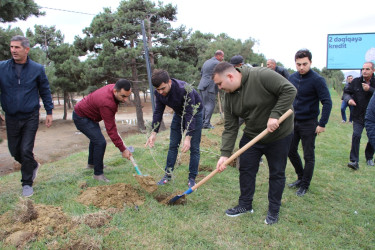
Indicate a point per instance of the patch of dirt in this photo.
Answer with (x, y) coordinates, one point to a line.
(117, 195)
(147, 183)
(38, 221)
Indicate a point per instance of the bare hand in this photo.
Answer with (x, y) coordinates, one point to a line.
(272, 125)
(319, 130)
(365, 86)
(351, 102)
(126, 154)
(151, 140)
(186, 145)
(48, 121)
(220, 166)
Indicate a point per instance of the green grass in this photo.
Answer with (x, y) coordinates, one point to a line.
(336, 213)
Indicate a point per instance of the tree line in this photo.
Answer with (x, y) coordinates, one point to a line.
(112, 48)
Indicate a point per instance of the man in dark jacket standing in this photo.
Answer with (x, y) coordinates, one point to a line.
(260, 96)
(208, 89)
(311, 89)
(187, 106)
(22, 82)
(271, 64)
(358, 95)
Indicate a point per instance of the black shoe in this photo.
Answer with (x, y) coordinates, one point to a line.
(208, 127)
(301, 191)
(354, 165)
(271, 218)
(370, 162)
(295, 184)
(238, 210)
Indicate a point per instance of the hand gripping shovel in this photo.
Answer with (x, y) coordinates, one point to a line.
(230, 159)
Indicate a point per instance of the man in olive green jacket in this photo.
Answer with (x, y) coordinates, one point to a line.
(260, 96)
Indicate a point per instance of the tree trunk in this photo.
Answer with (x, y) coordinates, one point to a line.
(137, 99)
(58, 98)
(66, 99)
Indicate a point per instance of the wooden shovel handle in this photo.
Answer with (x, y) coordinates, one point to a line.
(243, 149)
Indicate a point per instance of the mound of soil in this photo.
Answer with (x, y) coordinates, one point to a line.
(29, 221)
(117, 195)
(147, 183)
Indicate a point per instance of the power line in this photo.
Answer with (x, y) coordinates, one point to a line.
(72, 11)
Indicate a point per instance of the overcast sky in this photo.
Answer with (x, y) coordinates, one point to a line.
(280, 27)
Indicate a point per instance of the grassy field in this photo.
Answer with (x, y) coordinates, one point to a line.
(336, 213)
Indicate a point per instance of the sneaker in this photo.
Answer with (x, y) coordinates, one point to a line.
(301, 191)
(343, 121)
(353, 165)
(167, 177)
(101, 178)
(35, 172)
(191, 183)
(238, 210)
(91, 166)
(27, 191)
(370, 162)
(261, 160)
(271, 218)
(295, 184)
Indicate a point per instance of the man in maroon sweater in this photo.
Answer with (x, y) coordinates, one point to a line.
(102, 104)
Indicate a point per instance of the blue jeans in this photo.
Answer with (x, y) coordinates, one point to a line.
(344, 104)
(277, 156)
(21, 137)
(356, 140)
(175, 139)
(97, 141)
(304, 131)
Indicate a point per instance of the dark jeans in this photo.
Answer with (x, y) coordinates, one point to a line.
(304, 131)
(97, 141)
(208, 101)
(175, 139)
(21, 137)
(344, 105)
(356, 140)
(370, 128)
(277, 156)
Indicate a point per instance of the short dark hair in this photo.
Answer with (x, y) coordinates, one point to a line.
(349, 76)
(159, 76)
(123, 84)
(302, 53)
(221, 67)
(24, 41)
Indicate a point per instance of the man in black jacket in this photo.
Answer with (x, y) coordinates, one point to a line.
(358, 95)
(22, 82)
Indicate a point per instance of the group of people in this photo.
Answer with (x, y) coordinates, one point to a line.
(257, 95)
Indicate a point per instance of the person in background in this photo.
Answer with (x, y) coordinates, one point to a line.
(22, 82)
(261, 97)
(358, 95)
(271, 64)
(312, 89)
(102, 104)
(344, 104)
(187, 117)
(237, 61)
(208, 89)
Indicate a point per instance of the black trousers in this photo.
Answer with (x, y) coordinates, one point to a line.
(21, 138)
(277, 156)
(304, 131)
